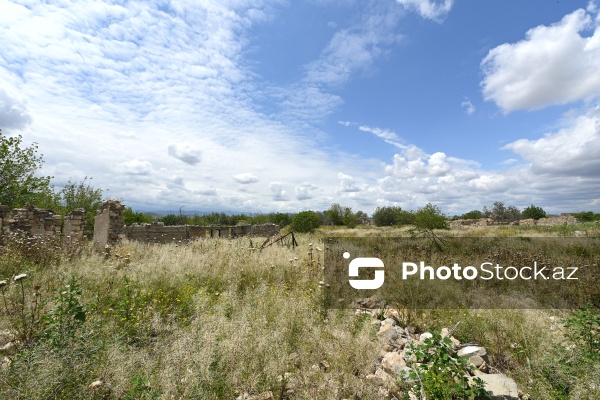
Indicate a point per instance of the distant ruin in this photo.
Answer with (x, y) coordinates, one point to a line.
(109, 228)
(563, 219)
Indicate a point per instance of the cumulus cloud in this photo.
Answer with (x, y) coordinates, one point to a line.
(135, 167)
(415, 162)
(429, 9)
(185, 153)
(347, 184)
(552, 65)
(13, 113)
(305, 190)
(245, 178)
(277, 191)
(572, 151)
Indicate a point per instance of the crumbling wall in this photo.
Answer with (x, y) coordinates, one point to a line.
(563, 219)
(108, 224)
(157, 232)
(39, 222)
(109, 228)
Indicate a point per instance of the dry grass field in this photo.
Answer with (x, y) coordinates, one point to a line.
(214, 319)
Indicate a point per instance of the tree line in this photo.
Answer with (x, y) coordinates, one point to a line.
(19, 185)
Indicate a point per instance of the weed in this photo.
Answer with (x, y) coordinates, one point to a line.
(441, 374)
(585, 330)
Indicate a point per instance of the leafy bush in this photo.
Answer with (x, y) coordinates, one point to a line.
(587, 216)
(442, 373)
(306, 221)
(132, 217)
(474, 214)
(67, 316)
(533, 212)
(430, 217)
(500, 213)
(585, 330)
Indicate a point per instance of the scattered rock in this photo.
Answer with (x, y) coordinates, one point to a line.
(424, 336)
(470, 351)
(500, 386)
(96, 384)
(392, 363)
(387, 334)
(5, 363)
(9, 348)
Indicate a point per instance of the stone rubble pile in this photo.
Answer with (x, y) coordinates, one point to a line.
(395, 360)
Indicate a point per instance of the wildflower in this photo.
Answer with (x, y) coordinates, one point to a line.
(19, 277)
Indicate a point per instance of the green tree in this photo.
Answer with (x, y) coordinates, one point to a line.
(533, 212)
(172, 219)
(335, 214)
(587, 216)
(80, 195)
(281, 219)
(430, 217)
(132, 217)
(19, 184)
(500, 213)
(305, 221)
(350, 219)
(386, 216)
(475, 214)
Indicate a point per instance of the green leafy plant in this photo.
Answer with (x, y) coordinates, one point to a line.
(441, 374)
(584, 329)
(67, 316)
(305, 221)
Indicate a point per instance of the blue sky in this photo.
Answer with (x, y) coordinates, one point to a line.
(286, 106)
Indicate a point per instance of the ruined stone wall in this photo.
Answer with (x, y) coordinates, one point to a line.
(563, 219)
(109, 228)
(34, 221)
(108, 224)
(157, 232)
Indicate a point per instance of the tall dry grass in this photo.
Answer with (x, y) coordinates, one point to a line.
(215, 319)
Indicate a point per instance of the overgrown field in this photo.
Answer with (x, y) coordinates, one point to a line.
(216, 318)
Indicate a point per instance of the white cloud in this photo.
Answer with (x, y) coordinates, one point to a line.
(305, 190)
(430, 9)
(13, 113)
(572, 151)
(185, 153)
(385, 134)
(347, 184)
(468, 106)
(277, 191)
(552, 65)
(245, 178)
(354, 50)
(135, 167)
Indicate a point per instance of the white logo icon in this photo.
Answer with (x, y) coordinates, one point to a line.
(368, 262)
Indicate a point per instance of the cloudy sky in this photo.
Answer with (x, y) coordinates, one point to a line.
(280, 105)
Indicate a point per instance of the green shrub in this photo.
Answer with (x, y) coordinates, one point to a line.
(306, 221)
(441, 374)
(430, 217)
(585, 330)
